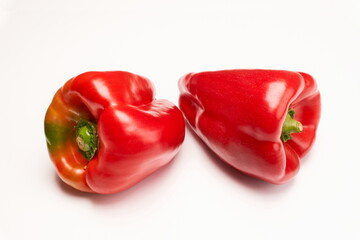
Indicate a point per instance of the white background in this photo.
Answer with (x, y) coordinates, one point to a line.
(44, 43)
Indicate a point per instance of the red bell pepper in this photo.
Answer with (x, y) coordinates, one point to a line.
(105, 131)
(262, 122)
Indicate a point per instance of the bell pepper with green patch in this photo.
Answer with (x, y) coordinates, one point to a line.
(105, 132)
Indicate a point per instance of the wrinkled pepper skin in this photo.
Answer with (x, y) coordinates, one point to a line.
(239, 115)
(136, 134)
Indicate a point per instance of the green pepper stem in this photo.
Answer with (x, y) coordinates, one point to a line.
(87, 138)
(290, 126)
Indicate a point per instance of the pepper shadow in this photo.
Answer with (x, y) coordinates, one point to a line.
(242, 179)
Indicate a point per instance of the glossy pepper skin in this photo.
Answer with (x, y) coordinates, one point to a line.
(105, 131)
(244, 117)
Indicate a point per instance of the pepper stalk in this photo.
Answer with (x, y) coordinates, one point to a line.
(290, 126)
(87, 138)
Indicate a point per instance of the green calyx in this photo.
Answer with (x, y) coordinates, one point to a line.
(290, 126)
(87, 138)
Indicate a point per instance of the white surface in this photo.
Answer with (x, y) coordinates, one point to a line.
(44, 43)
